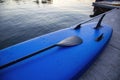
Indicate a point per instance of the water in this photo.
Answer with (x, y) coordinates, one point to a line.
(22, 20)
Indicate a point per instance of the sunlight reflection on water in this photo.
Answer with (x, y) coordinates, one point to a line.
(13, 7)
(60, 4)
(26, 19)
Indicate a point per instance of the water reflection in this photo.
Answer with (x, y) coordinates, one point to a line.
(37, 2)
(55, 2)
(25, 19)
(47, 1)
(43, 2)
(17, 1)
(1, 1)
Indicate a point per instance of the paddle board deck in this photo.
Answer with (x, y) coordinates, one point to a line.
(58, 63)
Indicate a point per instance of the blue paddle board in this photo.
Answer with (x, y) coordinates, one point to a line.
(57, 63)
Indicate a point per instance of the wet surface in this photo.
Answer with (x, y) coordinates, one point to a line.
(21, 20)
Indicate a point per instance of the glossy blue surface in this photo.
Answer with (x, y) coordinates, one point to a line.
(58, 63)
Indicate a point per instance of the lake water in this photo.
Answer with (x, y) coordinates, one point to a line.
(21, 20)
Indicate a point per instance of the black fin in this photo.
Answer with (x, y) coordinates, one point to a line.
(100, 37)
(99, 22)
(78, 26)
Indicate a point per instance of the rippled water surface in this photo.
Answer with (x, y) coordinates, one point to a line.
(21, 20)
